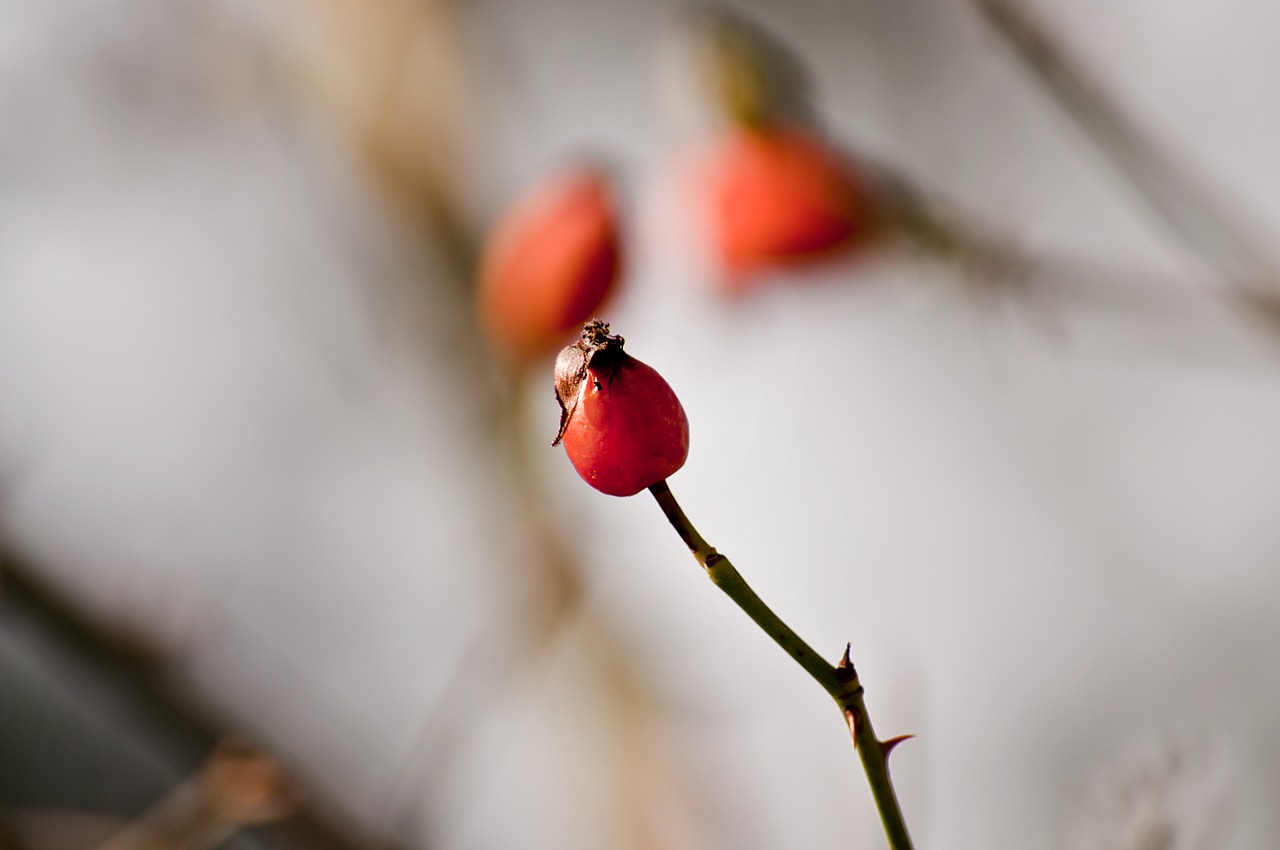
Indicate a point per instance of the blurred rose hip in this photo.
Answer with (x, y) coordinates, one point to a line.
(777, 196)
(550, 261)
(621, 424)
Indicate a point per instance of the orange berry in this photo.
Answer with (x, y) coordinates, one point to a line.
(778, 196)
(550, 261)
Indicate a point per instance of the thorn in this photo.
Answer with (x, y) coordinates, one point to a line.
(854, 719)
(886, 747)
(845, 663)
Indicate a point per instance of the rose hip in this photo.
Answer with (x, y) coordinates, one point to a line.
(621, 424)
(776, 196)
(549, 263)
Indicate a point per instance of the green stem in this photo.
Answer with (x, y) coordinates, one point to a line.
(840, 681)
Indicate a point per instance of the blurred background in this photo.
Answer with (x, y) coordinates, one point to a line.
(260, 473)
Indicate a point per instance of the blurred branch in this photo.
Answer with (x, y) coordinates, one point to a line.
(392, 79)
(990, 263)
(237, 786)
(1186, 208)
(240, 785)
(840, 681)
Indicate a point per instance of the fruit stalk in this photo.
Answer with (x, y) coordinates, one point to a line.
(840, 681)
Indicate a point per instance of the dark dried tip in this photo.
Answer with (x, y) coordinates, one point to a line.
(572, 363)
(596, 336)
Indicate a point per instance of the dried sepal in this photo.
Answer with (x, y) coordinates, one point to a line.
(572, 363)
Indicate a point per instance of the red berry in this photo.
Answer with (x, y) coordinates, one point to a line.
(549, 263)
(775, 196)
(622, 426)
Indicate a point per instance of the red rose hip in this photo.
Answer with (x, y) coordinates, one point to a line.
(621, 424)
(551, 260)
(777, 196)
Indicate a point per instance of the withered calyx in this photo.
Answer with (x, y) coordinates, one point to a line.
(597, 349)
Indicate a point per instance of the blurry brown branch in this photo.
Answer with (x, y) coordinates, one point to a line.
(1185, 207)
(990, 263)
(238, 784)
(393, 80)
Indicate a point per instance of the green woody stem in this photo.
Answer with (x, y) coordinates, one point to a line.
(840, 681)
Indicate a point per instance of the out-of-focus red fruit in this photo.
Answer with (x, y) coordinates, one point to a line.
(621, 424)
(778, 196)
(550, 261)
